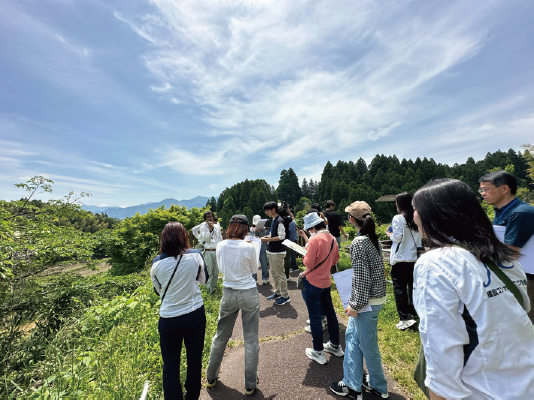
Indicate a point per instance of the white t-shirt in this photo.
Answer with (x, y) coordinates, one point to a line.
(405, 241)
(453, 291)
(237, 261)
(183, 295)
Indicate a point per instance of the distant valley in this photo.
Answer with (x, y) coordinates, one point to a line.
(121, 213)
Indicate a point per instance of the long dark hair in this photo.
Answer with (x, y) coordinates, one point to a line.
(405, 207)
(451, 215)
(368, 228)
(173, 240)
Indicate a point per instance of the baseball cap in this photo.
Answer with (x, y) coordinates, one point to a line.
(358, 209)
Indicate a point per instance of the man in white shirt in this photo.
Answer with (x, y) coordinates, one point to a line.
(209, 234)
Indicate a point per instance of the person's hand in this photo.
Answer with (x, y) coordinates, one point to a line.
(302, 233)
(264, 239)
(210, 225)
(389, 233)
(350, 312)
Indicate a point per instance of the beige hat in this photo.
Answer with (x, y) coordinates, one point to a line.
(358, 209)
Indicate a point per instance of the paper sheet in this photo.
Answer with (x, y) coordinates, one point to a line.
(256, 242)
(527, 261)
(343, 282)
(294, 246)
(261, 223)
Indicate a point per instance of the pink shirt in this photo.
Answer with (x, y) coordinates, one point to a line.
(318, 249)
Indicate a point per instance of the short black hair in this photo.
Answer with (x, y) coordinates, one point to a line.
(319, 226)
(499, 178)
(317, 207)
(206, 213)
(451, 215)
(329, 203)
(270, 205)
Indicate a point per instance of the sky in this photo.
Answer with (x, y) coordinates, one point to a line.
(138, 101)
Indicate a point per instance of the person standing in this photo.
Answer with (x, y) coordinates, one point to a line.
(209, 234)
(322, 253)
(368, 289)
(499, 189)
(276, 254)
(176, 274)
(402, 258)
(238, 260)
(335, 225)
(469, 293)
(294, 237)
(259, 233)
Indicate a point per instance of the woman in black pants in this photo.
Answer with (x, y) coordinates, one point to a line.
(176, 274)
(406, 239)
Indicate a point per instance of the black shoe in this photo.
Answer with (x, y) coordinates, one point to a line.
(274, 296)
(341, 389)
(367, 386)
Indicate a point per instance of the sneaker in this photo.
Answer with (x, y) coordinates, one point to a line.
(341, 389)
(402, 325)
(251, 391)
(367, 386)
(293, 269)
(274, 296)
(316, 355)
(335, 350)
(282, 300)
(265, 282)
(212, 383)
(288, 279)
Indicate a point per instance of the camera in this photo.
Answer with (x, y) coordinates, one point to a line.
(282, 209)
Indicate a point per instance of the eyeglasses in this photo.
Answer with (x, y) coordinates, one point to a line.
(486, 190)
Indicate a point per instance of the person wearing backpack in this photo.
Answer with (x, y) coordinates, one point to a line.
(403, 256)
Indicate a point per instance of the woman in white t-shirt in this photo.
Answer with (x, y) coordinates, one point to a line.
(176, 274)
(402, 258)
(237, 261)
(477, 338)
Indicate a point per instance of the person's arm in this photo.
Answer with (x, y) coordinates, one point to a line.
(443, 333)
(155, 282)
(254, 264)
(519, 230)
(310, 259)
(217, 235)
(290, 213)
(281, 234)
(397, 225)
(202, 275)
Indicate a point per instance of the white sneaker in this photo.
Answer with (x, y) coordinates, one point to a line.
(316, 356)
(402, 325)
(324, 320)
(337, 351)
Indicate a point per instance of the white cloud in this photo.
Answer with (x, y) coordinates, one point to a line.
(292, 75)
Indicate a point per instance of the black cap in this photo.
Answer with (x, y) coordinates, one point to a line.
(240, 219)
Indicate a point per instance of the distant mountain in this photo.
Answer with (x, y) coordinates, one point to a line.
(121, 213)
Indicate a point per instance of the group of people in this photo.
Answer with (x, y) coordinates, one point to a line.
(468, 291)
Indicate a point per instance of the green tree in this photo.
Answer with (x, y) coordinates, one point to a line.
(212, 204)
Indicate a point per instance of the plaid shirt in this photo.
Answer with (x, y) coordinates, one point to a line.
(368, 278)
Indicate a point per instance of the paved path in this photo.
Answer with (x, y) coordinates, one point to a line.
(284, 370)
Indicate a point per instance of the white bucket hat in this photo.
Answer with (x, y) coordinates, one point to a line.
(255, 220)
(312, 219)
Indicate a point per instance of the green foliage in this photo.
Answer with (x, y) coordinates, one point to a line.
(135, 240)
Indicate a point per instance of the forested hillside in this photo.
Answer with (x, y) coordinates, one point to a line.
(349, 181)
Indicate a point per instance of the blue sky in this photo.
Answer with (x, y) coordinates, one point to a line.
(137, 101)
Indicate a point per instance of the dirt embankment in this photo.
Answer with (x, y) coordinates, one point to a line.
(82, 269)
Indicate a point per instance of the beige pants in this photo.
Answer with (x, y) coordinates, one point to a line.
(276, 263)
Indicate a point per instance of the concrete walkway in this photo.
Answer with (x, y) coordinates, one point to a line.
(284, 370)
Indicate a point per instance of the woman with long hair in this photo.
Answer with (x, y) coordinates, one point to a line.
(176, 274)
(237, 260)
(403, 256)
(368, 295)
(470, 295)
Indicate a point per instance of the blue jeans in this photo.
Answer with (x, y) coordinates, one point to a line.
(319, 302)
(191, 329)
(361, 341)
(263, 264)
(233, 300)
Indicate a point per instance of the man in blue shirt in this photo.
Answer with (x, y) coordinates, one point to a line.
(499, 189)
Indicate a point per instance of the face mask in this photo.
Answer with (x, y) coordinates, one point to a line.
(313, 233)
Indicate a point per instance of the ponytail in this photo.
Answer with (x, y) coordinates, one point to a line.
(368, 228)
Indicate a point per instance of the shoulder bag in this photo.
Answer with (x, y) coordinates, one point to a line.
(300, 280)
(419, 373)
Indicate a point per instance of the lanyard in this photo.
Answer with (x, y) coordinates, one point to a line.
(501, 211)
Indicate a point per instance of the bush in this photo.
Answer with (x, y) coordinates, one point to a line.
(136, 239)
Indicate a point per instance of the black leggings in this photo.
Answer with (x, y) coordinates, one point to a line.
(402, 277)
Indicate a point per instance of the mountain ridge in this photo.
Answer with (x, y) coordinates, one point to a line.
(125, 212)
